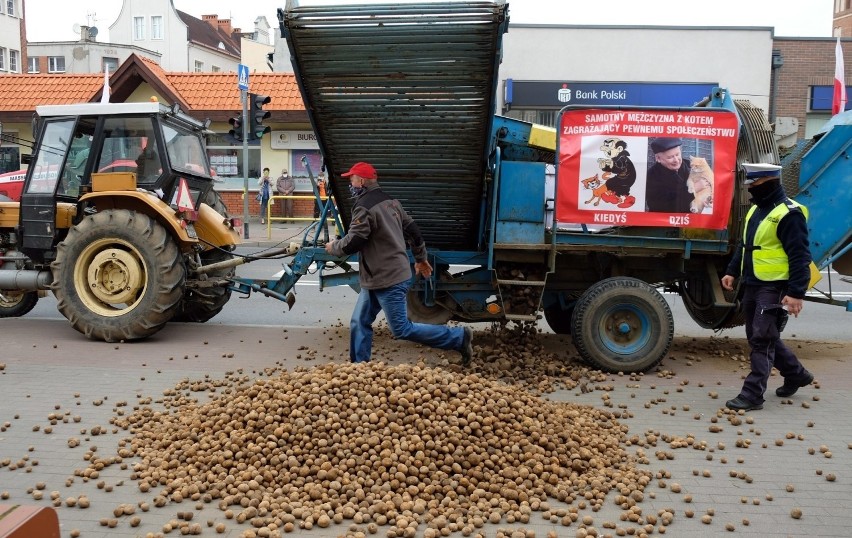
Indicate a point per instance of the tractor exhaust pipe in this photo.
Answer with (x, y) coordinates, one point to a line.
(25, 280)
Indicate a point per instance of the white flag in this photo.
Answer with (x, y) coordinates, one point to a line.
(838, 101)
(105, 93)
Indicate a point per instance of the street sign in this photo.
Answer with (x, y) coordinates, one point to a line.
(243, 77)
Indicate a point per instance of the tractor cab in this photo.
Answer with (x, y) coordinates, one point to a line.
(106, 148)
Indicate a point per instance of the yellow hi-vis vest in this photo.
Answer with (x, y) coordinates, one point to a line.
(769, 261)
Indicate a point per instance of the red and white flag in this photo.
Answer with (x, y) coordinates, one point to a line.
(838, 102)
(105, 93)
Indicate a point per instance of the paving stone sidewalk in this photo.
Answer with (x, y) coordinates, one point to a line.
(740, 470)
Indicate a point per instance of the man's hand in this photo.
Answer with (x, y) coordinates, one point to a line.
(423, 268)
(329, 246)
(794, 306)
(728, 282)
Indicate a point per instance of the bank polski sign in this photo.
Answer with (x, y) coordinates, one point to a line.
(294, 140)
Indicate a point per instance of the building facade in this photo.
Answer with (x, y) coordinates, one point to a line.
(626, 65)
(12, 37)
(84, 56)
(842, 25)
(804, 84)
(184, 42)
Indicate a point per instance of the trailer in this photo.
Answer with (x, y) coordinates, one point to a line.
(411, 89)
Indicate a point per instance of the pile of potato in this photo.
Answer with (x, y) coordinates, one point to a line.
(378, 445)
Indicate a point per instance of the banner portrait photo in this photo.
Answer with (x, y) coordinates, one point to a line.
(646, 167)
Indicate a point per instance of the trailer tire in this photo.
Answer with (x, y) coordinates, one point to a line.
(118, 275)
(559, 320)
(17, 303)
(622, 324)
(202, 304)
(420, 313)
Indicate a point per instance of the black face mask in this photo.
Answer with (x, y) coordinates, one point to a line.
(762, 191)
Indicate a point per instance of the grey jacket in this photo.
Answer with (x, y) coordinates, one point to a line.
(285, 185)
(379, 231)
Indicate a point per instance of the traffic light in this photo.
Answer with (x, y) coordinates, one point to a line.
(236, 132)
(256, 115)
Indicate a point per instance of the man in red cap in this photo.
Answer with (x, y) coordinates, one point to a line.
(378, 233)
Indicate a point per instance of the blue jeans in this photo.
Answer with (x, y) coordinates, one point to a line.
(392, 301)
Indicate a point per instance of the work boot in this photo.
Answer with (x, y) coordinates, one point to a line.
(467, 346)
(740, 403)
(790, 386)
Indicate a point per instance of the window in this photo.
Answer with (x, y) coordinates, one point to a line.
(186, 150)
(131, 146)
(10, 7)
(2, 59)
(32, 65)
(138, 28)
(199, 66)
(57, 136)
(14, 61)
(56, 64)
(110, 64)
(215, 69)
(157, 27)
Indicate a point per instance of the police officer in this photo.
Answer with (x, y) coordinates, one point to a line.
(773, 264)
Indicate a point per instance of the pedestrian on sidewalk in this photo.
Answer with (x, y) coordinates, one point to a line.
(264, 192)
(286, 186)
(322, 187)
(379, 231)
(773, 261)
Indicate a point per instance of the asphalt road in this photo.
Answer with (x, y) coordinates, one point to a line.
(315, 308)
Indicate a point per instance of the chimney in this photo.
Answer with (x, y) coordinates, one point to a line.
(212, 20)
(225, 26)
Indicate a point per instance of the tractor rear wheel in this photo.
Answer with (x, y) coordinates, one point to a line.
(202, 304)
(118, 275)
(622, 324)
(14, 304)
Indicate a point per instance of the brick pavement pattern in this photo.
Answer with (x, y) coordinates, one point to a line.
(739, 469)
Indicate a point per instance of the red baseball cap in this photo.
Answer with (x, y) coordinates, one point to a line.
(362, 169)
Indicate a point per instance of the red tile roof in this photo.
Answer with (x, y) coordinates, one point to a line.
(199, 91)
(24, 92)
(218, 91)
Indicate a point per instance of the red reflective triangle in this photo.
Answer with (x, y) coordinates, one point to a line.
(184, 200)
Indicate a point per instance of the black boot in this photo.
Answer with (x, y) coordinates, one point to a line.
(790, 386)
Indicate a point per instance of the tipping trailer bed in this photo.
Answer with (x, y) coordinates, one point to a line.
(411, 89)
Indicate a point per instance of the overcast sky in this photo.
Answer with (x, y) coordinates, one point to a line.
(49, 20)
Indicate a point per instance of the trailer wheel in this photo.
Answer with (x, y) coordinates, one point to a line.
(14, 304)
(118, 275)
(622, 324)
(420, 313)
(558, 319)
(202, 304)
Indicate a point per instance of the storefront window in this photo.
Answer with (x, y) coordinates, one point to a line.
(227, 162)
(300, 172)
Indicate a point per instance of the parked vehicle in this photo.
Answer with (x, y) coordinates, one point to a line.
(115, 216)
(416, 98)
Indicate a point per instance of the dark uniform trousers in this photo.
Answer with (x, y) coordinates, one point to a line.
(767, 349)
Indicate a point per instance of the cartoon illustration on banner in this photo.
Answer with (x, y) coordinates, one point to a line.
(646, 167)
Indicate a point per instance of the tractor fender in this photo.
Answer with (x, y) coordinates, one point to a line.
(213, 229)
(147, 204)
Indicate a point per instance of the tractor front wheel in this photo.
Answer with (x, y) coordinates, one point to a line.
(14, 304)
